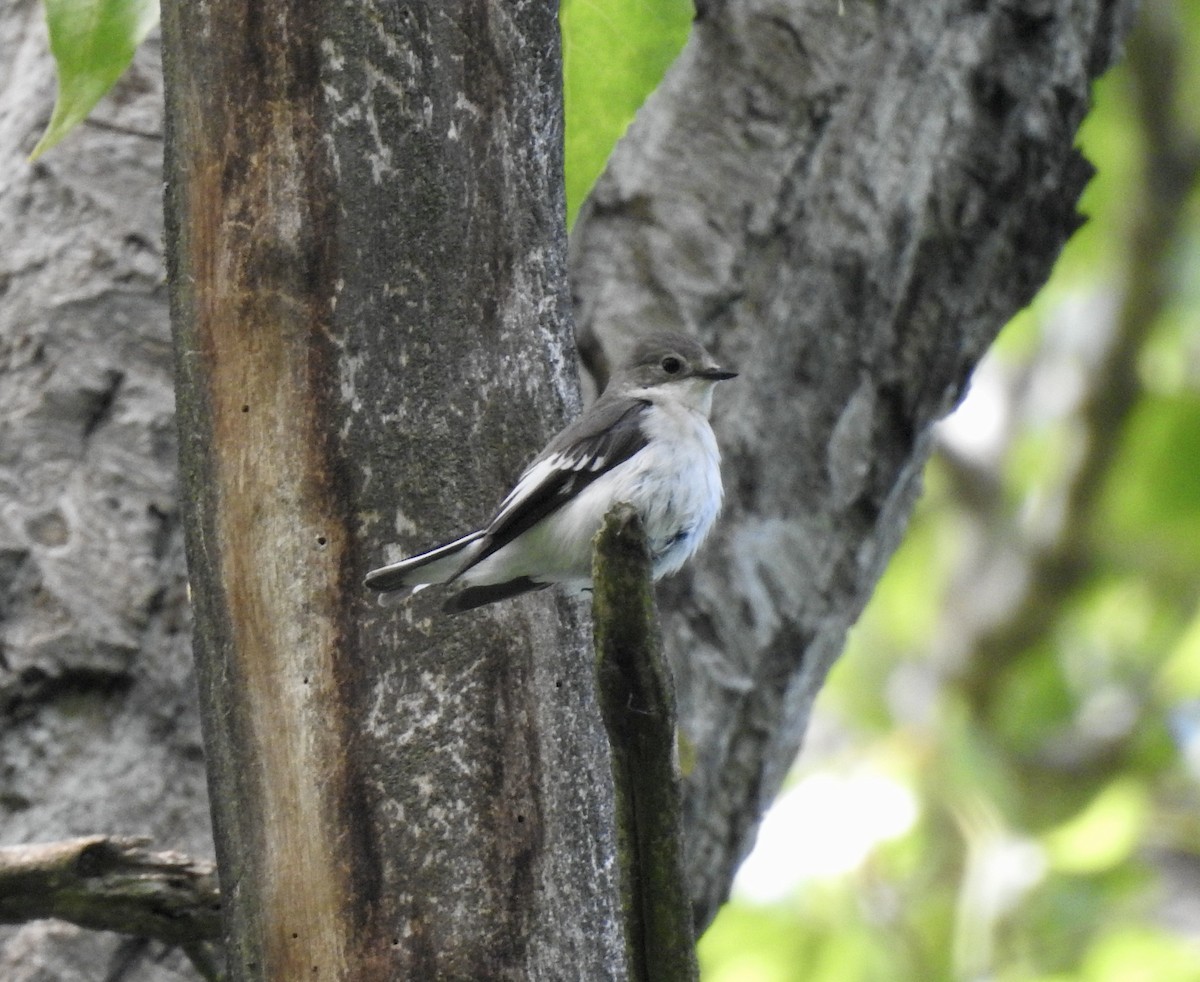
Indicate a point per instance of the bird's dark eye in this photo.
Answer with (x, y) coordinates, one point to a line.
(672, 365)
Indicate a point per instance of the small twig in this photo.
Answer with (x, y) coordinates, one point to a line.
(637, 702)
(105, 124)
(115, 884)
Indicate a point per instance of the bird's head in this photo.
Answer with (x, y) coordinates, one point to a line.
(667, 365)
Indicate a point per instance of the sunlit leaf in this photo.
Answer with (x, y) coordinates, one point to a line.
(1105, 833)
(614, 53)
(750, 944)
(1141, 954)
(1180, 675)
(93, 42)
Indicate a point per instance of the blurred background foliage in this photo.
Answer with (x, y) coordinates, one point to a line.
(1003, 778)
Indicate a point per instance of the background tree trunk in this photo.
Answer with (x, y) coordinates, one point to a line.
(98, 722)
(367, 247)
(881, 187)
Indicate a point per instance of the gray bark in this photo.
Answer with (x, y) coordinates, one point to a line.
(846, 201)
(98, 723)
(367, 248)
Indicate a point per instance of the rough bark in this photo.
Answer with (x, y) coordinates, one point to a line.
(98, 725)
(365, 218)
(847, 201)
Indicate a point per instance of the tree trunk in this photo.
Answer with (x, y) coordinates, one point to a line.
(365, 228)
(98, 725)
(881, 186)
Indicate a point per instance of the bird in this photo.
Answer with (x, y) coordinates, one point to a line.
(646, 441)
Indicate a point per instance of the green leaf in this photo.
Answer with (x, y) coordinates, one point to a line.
(1107, 832)
(93, 42)
(1151, 508)
(1141, 953)
(614, 53)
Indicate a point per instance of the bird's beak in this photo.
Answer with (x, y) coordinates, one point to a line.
(714, 374)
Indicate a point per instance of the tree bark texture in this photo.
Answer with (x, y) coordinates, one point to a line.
(367, 257)
(637, 703)
(98, 725)
(847, 201)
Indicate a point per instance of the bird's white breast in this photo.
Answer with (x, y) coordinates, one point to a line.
(674, 482)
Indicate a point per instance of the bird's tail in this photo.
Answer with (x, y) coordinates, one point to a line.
(435, 566)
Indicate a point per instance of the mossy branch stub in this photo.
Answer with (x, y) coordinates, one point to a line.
(637, 702)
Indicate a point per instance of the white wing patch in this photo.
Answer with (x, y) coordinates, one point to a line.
(541, 473)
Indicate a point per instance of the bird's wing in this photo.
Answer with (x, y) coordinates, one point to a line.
(609, 434)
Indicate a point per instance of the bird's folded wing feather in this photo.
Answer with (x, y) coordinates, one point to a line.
(594, 444)
(398, 575)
